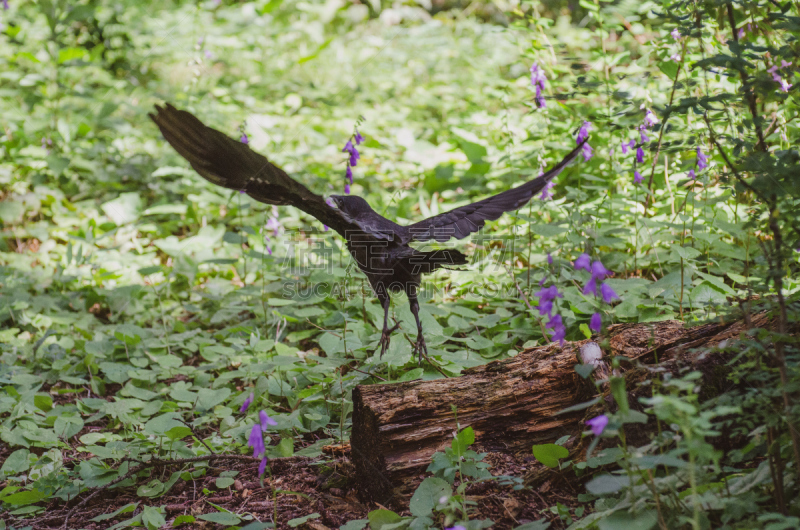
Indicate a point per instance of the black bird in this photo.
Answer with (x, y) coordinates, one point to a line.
(379, 246)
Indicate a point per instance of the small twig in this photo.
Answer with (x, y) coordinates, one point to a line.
(197, 436)
(367, 373)
(435, 365)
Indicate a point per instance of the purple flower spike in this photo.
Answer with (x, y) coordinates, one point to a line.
(538, 81)
(546, 193)
(599, 272)
(256, 441)
(262, 466)
(637, 177)
(691, 174)
(247, 402)
(244, 139)
(586, 152)
(598, 424)
(596, 323)
(675, 34)
(358, 138)
(628, 145)
(643, 134)
(650, 118)
(608, 293)
(549, 259)
(583, 262)
(583, 132)
(785, 86)
(354, 154)
(702, 159)
(349, 174)
(591, 287)
(639, 155)
(266, 421)
(347, 189)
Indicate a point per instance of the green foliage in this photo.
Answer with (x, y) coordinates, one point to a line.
(139, 302)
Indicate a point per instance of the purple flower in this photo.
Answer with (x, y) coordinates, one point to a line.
(538, 80)
(349, 174)
(675, 34)
(637, 177)
(457, 527)
(244, 139)
(273, 223)
(583, 262)
(358, 138)
(546, 297)
(702, 159)
(347, 189)
(208, 54)
(325, 228)
(740, 33)
(608, 293)
(546, 193)
(598, 424)
(256, 441)
(643, 134)
(354, 154)
(591, 287)
(583, 132)
(650, 118)
(596, 323)
(266, 421)
(785, 86)
(586, 151)
(785, 64)
(5, 4)
(675, 57)
(262, 466)
(599, 272)
(626, 146)
(559, 331)
(247, 402)
(549, 259)
(691, 174)
(639, 155)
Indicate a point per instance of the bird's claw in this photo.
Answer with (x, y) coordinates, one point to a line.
(386, 337)
(420, 347)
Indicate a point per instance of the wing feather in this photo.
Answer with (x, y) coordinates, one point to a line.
(227, 162)
(460, 222)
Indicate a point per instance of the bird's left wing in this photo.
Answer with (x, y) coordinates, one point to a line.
(460, 222)
(232, 164)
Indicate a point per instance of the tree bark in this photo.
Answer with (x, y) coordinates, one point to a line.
(514, 403)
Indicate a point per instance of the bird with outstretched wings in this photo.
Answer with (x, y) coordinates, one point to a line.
(380, 247)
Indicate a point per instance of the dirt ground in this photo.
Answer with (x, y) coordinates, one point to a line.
(304, 486)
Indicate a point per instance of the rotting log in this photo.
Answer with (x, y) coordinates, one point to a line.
(511, 404)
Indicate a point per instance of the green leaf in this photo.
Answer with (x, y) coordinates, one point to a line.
(43, 402)
(24, 497)
(605, 484)
(125, 509)
(620, 394)
(17, 462)
(183, 519)
(301, 520)
(224, 482)
(178, 432)
(379, 518)
(622, 520)
(541, 524)
(356, 524)
(153, 518)
(225, 518)
(549, 454)
(427, 496)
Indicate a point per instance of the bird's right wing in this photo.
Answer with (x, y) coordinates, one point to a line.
(232, 164)
(460, 222)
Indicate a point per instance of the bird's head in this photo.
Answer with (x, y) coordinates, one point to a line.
(351, 205)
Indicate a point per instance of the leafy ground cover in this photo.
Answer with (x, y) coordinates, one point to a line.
(141, 306)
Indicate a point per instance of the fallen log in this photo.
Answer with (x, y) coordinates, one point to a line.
(512, 404)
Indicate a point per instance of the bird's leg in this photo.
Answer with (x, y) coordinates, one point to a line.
(387, 331)
(419, 346)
